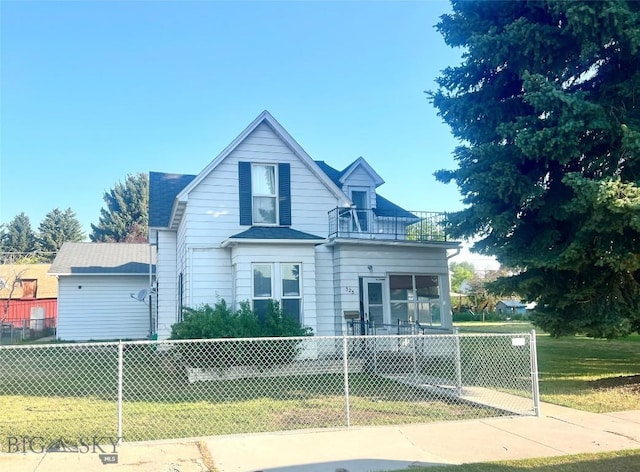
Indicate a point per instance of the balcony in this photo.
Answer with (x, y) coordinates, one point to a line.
(414, 226)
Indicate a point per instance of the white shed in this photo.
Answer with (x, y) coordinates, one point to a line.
(104, 291)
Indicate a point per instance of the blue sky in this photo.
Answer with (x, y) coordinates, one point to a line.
(93, 91)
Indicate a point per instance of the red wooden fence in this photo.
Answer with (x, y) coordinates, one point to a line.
(20, 310)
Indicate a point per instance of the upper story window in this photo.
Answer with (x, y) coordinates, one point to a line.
(264, 193)
(360, 198)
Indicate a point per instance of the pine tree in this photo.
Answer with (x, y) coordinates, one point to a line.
(18, 236)
(56, 228)
(545, 104)
(126, 217)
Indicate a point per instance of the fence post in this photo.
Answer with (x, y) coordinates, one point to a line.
(345, 364)
(120, 351)
(374, 341)
(458, 360)
(413, 351)
(534, 373)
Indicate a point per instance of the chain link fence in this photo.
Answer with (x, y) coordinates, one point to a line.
(182, 389)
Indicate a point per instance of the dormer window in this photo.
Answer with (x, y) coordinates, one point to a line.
(264, 193)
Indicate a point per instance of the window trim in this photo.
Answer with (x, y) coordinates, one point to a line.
(275, 196)
(277, 285)
(361, 223)
(415, 301)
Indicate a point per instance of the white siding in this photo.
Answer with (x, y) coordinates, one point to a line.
(167, 283)
(181, 257)
(360, 179)
(101, 307)
(330, 273)
(329, 320)
(243, 256)
(212, 214)
(209, 276)
(352, 261)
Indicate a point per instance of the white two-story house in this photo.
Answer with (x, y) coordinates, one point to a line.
(265, 221)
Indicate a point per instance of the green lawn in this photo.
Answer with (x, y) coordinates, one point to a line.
(596, 375)
(48, 391)
(67, 392)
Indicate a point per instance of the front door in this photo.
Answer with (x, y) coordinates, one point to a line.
(374, 303)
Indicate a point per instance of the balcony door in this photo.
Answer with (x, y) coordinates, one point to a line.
(360, 199)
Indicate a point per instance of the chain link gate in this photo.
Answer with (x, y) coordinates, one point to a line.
(148, 390)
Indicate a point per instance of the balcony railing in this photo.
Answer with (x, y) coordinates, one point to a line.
(418, 226)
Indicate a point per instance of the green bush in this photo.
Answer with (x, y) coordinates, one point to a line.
(220, 321)
(488, 316)
(465, 316)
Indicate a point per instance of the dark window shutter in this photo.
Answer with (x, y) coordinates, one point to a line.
(284, 193)
(244, 188)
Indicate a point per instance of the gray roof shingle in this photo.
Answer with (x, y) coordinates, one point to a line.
(163, 189)
(102, 258)
(274, 232)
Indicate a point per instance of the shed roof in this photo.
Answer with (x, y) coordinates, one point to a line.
(275, 232)
(513, 303)
(103, 259)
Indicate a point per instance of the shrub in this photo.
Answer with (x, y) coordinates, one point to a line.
(220, 321)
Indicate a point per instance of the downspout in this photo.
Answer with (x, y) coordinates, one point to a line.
(150, 290)
(449, 256)
(152, 329)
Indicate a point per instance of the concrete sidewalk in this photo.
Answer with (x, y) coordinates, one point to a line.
(559, 431)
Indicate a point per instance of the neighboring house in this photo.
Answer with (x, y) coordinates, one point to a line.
(265, 221)
(34, 295)
(465, 287)
(511, 307)
(103, 291)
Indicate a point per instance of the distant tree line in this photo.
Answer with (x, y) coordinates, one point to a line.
(125, 219)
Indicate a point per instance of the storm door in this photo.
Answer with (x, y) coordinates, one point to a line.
(374, 302)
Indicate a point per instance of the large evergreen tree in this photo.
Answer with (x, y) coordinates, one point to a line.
(58, 227)
(126, 217)
(546, 103)
(18, 236)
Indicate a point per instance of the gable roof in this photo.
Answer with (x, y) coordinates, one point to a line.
(361, 162)
(47, 285)
(163, 189)
(383, 206)
(180, 199)
(103, 259)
